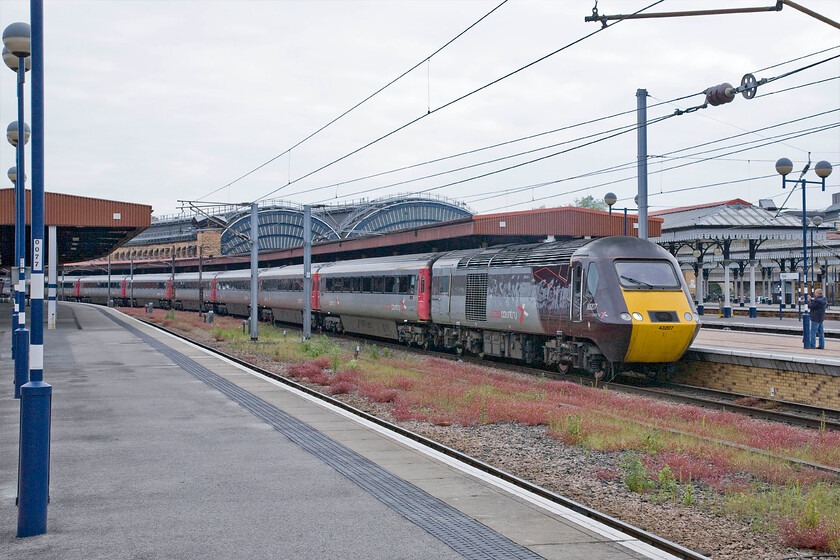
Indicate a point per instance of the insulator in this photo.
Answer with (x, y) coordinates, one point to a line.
(720, 94)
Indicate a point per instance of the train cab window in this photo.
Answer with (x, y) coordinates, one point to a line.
(367, 284)
(591, 279)
(647, 275)
(444, 285)
(404, 284)
(378, 282)
(389, 284)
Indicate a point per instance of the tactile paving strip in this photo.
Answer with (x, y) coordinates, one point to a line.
(462, 533)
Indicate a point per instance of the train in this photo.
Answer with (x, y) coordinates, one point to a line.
(603, 305)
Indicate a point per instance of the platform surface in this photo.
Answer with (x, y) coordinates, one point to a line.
(160, 450)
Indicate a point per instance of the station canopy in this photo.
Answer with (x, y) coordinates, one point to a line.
(86, 228)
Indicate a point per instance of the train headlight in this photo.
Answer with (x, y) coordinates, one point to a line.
(625, 316)
(688, 316)
(638, 316)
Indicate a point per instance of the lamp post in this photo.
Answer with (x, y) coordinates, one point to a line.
(698, 287)
(611, 199)
(816, 221)
(823, 170)
(16, 54)
(35, 396)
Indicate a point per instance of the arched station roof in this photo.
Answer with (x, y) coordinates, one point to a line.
(279, 228)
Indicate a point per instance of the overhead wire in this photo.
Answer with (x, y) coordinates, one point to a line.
(795, 59)
(493, 146)
(359, 104)
(620, 167)
(454, 101)
(532, 136)
(631, 128)
(496, 194)
(373, 189)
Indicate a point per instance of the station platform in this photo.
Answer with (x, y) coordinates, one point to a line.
(162, 450)
(769, 342)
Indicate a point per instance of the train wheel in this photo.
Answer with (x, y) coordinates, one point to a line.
(563, 367)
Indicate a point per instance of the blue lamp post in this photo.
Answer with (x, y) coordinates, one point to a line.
(35, 396)
(823, 170)
(611, 199)
(816, 221)
(18, 339)
(17, 42)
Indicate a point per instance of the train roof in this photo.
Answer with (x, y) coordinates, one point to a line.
(392, 263)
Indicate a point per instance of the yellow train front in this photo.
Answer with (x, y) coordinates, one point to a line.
(628, 297)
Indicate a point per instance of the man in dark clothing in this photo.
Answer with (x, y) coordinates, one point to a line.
(817, 307)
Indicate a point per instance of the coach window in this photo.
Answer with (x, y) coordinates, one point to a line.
(377, 284)
(329, 284)
(389, 284)
(357, 284)
(591, 279)
(403, 282)
(366, 284)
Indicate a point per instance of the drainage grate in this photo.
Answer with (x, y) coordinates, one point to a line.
(460, 532)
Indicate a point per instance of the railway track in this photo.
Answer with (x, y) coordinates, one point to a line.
(635, 532)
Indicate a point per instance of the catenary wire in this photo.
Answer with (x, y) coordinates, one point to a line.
(359, 104)
(524, 163)
(373, 189)
(610, 169)
(452, 102)
(554, 195)
(493, 146)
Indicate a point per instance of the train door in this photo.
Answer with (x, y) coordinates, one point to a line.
(123, 285)
(441, 294)
(77, 288)
(315, 297)
(170, 289)
(423, 299)
(213, 290)
(576, 293)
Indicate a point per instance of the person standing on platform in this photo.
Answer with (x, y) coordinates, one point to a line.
(817, 307)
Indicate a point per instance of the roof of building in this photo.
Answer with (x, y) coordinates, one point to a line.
(87, 228)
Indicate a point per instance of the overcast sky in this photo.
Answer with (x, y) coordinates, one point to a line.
(151, 102)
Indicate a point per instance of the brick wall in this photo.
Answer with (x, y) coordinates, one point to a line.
(795, 386)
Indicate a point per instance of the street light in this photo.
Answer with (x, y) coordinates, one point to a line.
(611, 199)
(823, 170)
(17, 39)
(816, 221)
(698, 283)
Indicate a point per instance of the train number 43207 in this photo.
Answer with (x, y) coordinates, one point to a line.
(666, 327)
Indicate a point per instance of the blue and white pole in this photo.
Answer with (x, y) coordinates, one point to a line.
(16, 39)
(53, 263)
(36, 396)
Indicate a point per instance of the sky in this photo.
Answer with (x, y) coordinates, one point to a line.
(154, 102)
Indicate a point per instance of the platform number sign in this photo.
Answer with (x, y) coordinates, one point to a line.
(37, 254)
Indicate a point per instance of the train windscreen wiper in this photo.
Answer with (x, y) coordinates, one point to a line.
(637, 281)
